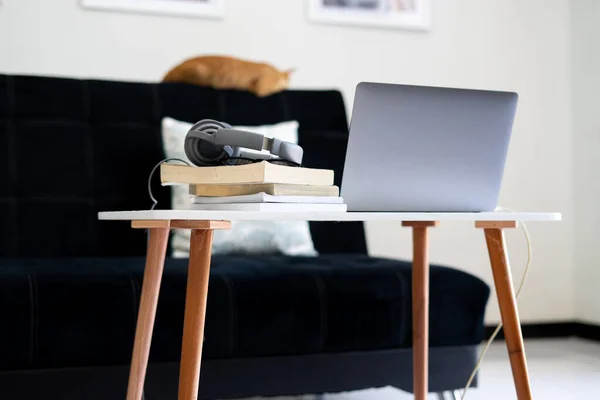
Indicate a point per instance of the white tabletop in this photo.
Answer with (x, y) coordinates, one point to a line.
(323, 216)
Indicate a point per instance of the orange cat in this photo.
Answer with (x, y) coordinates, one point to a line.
(230, 73)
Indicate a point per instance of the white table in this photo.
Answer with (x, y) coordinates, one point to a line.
(202, 224)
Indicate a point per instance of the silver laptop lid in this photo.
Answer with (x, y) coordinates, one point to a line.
(415, 148)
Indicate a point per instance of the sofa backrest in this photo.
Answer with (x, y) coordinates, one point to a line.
(70, 148)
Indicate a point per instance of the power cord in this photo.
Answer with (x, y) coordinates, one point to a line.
(154, 201)
(499, 327)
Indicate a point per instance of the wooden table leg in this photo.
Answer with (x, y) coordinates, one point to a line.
(496, 245)
(155, 260)
(420, 307)
(195, 312)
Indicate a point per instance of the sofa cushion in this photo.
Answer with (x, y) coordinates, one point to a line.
(82, 312)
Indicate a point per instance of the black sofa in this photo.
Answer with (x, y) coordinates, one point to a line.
(276, 325)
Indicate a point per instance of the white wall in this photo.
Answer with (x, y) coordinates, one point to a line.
(585, 73)
(507, 45)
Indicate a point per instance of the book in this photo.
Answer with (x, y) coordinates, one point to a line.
(266, 198)
(270, 207)
(274, 189)
(261, 172)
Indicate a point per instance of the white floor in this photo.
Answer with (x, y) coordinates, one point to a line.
(558, 369)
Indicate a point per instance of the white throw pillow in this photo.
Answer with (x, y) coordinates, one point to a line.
(247, 237)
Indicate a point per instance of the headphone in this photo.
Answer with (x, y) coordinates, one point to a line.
(210, 142)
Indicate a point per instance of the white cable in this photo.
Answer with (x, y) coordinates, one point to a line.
(152, 198)
(491, 339)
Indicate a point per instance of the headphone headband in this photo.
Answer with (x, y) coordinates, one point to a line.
(210, 142)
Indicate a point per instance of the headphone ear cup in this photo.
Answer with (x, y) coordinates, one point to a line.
(202, 152)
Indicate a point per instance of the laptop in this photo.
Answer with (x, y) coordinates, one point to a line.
(426, 149)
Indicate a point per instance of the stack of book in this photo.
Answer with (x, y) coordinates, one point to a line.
(261, 186)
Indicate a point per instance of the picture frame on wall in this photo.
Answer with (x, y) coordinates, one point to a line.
(184, 8)
(399, 14)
